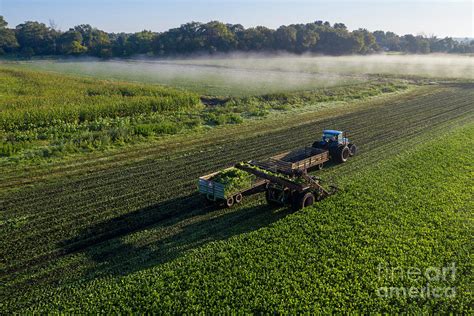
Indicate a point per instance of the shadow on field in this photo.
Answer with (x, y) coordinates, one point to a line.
(162, 232)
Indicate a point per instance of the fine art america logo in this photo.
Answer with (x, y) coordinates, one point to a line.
(431, 282)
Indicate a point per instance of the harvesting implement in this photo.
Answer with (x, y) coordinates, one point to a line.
(284, 177)
(297, 189)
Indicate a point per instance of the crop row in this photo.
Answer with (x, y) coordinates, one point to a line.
(46, 117)
(104, 182)
(119, 258)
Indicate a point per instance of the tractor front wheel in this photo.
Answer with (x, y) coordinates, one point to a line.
(353, 149)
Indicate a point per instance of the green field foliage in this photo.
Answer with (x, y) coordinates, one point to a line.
(34, 100)
(325, 258)
(126, 228)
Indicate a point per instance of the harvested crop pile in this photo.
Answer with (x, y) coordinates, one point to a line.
(234, 180)
(298, 180)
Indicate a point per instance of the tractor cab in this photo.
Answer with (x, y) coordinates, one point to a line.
(333, 138)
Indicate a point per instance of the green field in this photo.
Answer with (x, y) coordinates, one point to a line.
(260, 74)
(201, 78)
(323, 259)
(120, 228)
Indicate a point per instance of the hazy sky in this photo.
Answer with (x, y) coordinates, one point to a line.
(441, 18)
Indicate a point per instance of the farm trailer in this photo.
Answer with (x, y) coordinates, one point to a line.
(216, 192)
(284, 177)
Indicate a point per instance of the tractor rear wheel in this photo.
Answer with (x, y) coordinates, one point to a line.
(343, 154)
(353, 149)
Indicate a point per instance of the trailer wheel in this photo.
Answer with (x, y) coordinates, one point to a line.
(353, 149)
(229, 202)
(238, 198)
(343, 154)
(303, 200)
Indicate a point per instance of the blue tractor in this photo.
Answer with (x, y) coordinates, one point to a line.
(338, 145)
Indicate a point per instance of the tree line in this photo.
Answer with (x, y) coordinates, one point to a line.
(37, 39)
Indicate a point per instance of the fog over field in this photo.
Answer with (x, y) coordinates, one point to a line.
(440, 65)
(240, 74)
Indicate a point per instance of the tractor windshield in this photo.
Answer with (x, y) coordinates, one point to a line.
(330, 137)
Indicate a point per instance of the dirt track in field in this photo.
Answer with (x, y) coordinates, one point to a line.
(89, 214)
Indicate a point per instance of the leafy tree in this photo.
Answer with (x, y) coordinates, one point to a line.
(409, 44)
(33, 38)
(70, 43)
(140, 43)
(306, 38)
(336, 41)
(258, 38)
(366, 42)
(341, 26)
(217, 37)
(286, 37)
(8, 42)
(183, 40)
(235, 28)
(442, 45)
(393, 41)
(36, 38)
(119, 44)
(97, 41)
(423, 45)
